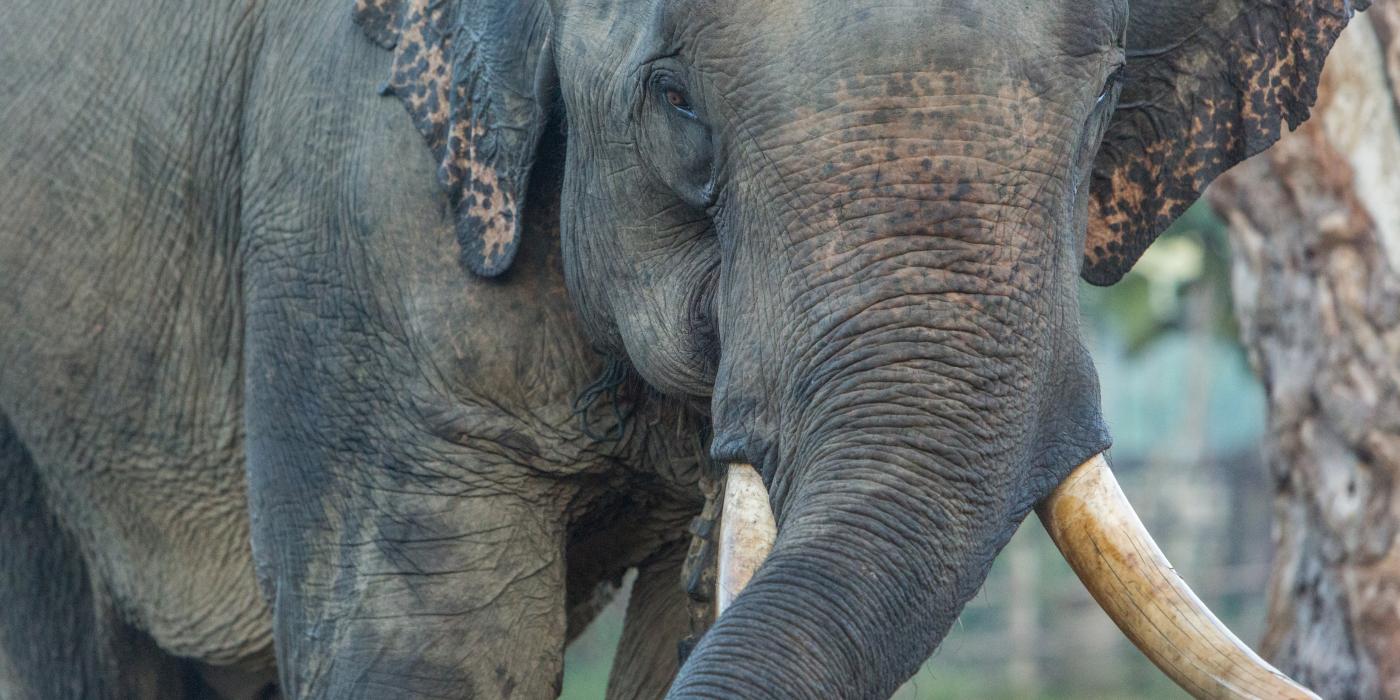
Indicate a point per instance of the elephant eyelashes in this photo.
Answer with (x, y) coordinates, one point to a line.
(1113, 79)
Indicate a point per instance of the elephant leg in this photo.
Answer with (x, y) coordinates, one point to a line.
(59, 637)
(421, 597)
(657, 620)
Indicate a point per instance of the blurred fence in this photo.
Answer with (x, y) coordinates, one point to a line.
(1034, 632)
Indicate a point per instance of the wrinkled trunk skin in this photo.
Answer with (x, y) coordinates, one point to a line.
(1315, 226)
(878, 550)
(904, 373)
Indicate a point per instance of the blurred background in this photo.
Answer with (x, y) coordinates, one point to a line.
(1187, 416)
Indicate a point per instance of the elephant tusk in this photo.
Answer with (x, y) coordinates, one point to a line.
(1105, 543)
(746, 533)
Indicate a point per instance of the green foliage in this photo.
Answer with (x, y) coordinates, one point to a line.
(1190, 260)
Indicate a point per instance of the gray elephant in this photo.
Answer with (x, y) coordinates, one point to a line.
(291, 403)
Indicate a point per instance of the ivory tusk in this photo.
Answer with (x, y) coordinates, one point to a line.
(1105, 543)
(746, 533)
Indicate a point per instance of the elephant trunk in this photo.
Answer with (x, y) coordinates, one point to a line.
(882, 363)
(852, 599)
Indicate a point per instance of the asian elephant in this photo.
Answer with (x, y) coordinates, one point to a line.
(292, 403)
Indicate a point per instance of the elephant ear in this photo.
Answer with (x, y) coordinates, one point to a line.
(1208, 84)
(472, 75)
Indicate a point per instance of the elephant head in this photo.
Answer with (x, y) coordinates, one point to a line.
(855, 229)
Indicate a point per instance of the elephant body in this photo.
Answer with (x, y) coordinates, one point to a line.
(297, 385)
(187, 192)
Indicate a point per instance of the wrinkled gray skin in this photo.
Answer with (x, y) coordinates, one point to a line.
(249, 394)
(219, 248)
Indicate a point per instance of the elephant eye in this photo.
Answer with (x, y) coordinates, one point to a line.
(675, 97)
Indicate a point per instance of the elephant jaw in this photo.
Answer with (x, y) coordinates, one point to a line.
(1101, 537)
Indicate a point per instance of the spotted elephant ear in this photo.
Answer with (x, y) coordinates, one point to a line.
(1208, 84)
(472, 75)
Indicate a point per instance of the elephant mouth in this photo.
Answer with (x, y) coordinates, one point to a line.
(1095, 528)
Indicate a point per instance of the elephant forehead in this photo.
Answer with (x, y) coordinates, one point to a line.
(943, 33)
(921, 135)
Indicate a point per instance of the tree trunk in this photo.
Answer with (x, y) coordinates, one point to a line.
(1315, 227)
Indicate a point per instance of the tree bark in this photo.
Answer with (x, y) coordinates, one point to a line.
(1315, 228)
